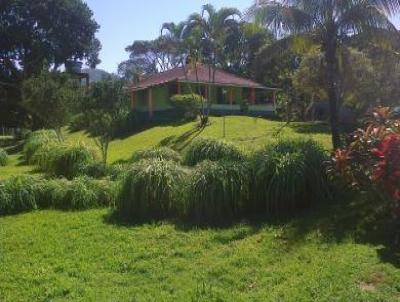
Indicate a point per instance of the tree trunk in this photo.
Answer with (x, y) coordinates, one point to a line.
(331, 78)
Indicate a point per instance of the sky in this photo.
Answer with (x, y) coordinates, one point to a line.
(124, 21)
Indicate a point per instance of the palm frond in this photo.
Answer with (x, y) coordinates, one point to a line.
(364, 17)
(282, 18)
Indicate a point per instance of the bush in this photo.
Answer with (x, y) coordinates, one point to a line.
(159, 153)
(18, 194)
(211, 149)
(188, 104)
(370, 162)
(79, 194)
(151, 190)
(289, 176)
(38, 140)
(65, 160)
(3, 157)
(217, 192)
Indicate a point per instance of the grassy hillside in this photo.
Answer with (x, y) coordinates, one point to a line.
(248, 133)
(86, 257)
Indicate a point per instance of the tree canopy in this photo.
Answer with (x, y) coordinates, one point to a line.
(41, 34)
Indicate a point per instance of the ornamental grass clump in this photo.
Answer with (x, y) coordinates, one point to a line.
(67, 161)
(38, 140)
(3, 157)
(288, 176)
(217, 192)
(152, 189)
(80, 193)
(157, 153)
(213, 150)
(18, 194)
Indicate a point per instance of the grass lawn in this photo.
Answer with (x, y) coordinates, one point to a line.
(83, 256)
(248, 133)
(86, 256)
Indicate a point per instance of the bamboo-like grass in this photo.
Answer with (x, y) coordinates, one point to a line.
(202, 149)
(152, 190)
(3, 157)
(289, 176)
(162, 153)
(217, 192)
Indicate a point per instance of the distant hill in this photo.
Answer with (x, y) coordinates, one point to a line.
(96, 75)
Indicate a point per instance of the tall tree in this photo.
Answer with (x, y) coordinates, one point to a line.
(49, 99)
(214, 26)
(40, 33)
(328, 23)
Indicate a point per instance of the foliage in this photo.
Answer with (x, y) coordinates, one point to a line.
(163, 153)
(25, 193)
(3, 157)
(217, 192)
(38, 34)
(38, 140)
(188, 104)
(371, 160)
(327, 25)
(79, 194)
(50, 98)
(65, 160)
(151, 190)
(289, 176)
(106, 109)
(357, 83)
(68, 161)
(18, 194)
(211, 149)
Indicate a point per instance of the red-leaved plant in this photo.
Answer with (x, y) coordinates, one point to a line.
(372, 159)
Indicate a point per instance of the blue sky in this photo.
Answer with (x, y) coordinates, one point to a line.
(124, 21)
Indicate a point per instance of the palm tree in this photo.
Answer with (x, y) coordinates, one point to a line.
(328, 23)
(213, 26)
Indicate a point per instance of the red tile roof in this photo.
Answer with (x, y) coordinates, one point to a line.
(203, 76)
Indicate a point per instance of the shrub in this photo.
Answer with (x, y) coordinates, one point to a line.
(371, 160)
(288, 176)
(159, 153)
(36, 141)
(217, 192)
(18, 194)
(79, 194)
(151, 190)
(3, 157)
(187, 104)
(94, 169)
(65, 160)
(211, 149)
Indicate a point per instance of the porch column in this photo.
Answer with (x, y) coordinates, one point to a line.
(133, 100)
(230, 95)
(253, 96)
(150, 102)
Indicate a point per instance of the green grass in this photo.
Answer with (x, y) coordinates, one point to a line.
(247, 133)
(86, 256)
(62, 256)
(15, 166)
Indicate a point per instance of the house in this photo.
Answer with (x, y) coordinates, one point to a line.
(150, 98)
